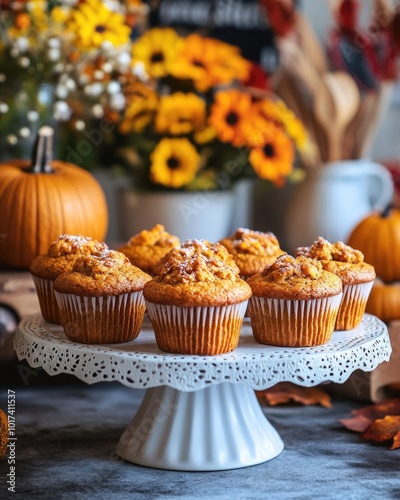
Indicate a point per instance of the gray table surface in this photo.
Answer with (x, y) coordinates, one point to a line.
(67, 433)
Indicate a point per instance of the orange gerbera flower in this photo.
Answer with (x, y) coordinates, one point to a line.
(273, 161)
(232, 115)
(209, 62)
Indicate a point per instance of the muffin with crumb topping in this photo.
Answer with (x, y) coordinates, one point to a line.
(60, 257)
(101, 299)
(252, 250)
(294, 303)
(145, 249)
(197, 302)
(357, 277)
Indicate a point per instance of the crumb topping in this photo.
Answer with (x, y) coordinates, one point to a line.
(156, 236)
(198, 261)
(108, 273)
(73, 245)
(287, 267)
(323, 250)
(247, 241)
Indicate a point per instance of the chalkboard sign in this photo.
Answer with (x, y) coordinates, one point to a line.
(240, 22)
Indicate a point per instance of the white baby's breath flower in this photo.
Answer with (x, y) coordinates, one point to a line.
(97, 111)
(32, 116)
(80, 125)
(24, 132)
(139, 71)
(12, 139)
(24, 62)
(62, 91)
(70, 84)
(123, 61)
(3, 107)
(94, 90)
(113, 87)
(98, 74)
(107, 67)
(54, 43)
(22, 44)
(117, 101)
(54, 55)
(62, 111)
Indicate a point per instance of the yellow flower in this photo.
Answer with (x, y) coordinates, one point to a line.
(278, 111)
(209, 62)
(232, 115)
(273, 161)
(156, 49)
(180, 113)
(208, 134)
(142, 104)
(174, 162)
(92, 24)
(60, 14)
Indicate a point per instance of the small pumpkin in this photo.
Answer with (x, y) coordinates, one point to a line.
(41, 199)
(3, 433)
(378, 238)
(384, 301)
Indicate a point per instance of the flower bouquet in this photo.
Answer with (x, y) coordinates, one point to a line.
(191, 123)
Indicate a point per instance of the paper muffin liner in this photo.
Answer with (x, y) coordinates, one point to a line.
(197, 330)
(293, 323)
(101, 320)
(47, 301)
(352, 307)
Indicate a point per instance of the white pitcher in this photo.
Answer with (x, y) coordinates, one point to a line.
(333, 199)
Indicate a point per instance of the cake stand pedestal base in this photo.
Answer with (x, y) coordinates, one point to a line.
(217, 428)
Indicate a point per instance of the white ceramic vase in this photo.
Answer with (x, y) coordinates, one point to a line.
(201, 215)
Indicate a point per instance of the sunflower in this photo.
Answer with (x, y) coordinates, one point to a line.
(209, 62)
(273, 161)
(180, 113)
(156, 49)
(141, 107)
(233, 117)
(174, 162)
(92, 24)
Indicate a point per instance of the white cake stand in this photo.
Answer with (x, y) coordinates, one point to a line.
(200, 413)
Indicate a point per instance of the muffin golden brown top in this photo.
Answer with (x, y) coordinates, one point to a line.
(198, 274)
(341, 259)
(295, 278)
(252, 250)
(62, 254)
(146, 248)
(109, 273)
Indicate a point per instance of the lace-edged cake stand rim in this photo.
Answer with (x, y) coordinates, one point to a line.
(201, 413)
(140, 364)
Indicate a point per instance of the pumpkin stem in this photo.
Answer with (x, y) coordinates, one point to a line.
(387, 210)
(42, 153)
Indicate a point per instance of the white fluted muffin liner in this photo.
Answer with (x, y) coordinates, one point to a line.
(101, 320)
(47, 301)
(352, 307)
(293, 323)
(202, 330)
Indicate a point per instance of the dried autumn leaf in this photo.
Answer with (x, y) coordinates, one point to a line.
(284, 392)
(384, 429)
(360, 419)
(3, 433)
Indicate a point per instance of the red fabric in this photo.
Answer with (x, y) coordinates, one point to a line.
(348, 15)
(281, 15)
(257, 78)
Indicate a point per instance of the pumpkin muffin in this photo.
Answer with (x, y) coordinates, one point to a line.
(101, 299)
(60, 257)
(197, 302)
(252, 250)
(294, 303)
(357, 277)
(145, 249)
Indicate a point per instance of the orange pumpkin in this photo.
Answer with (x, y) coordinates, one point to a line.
(384, 301)
(3, 433)
(378, 237)
(42, 199)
